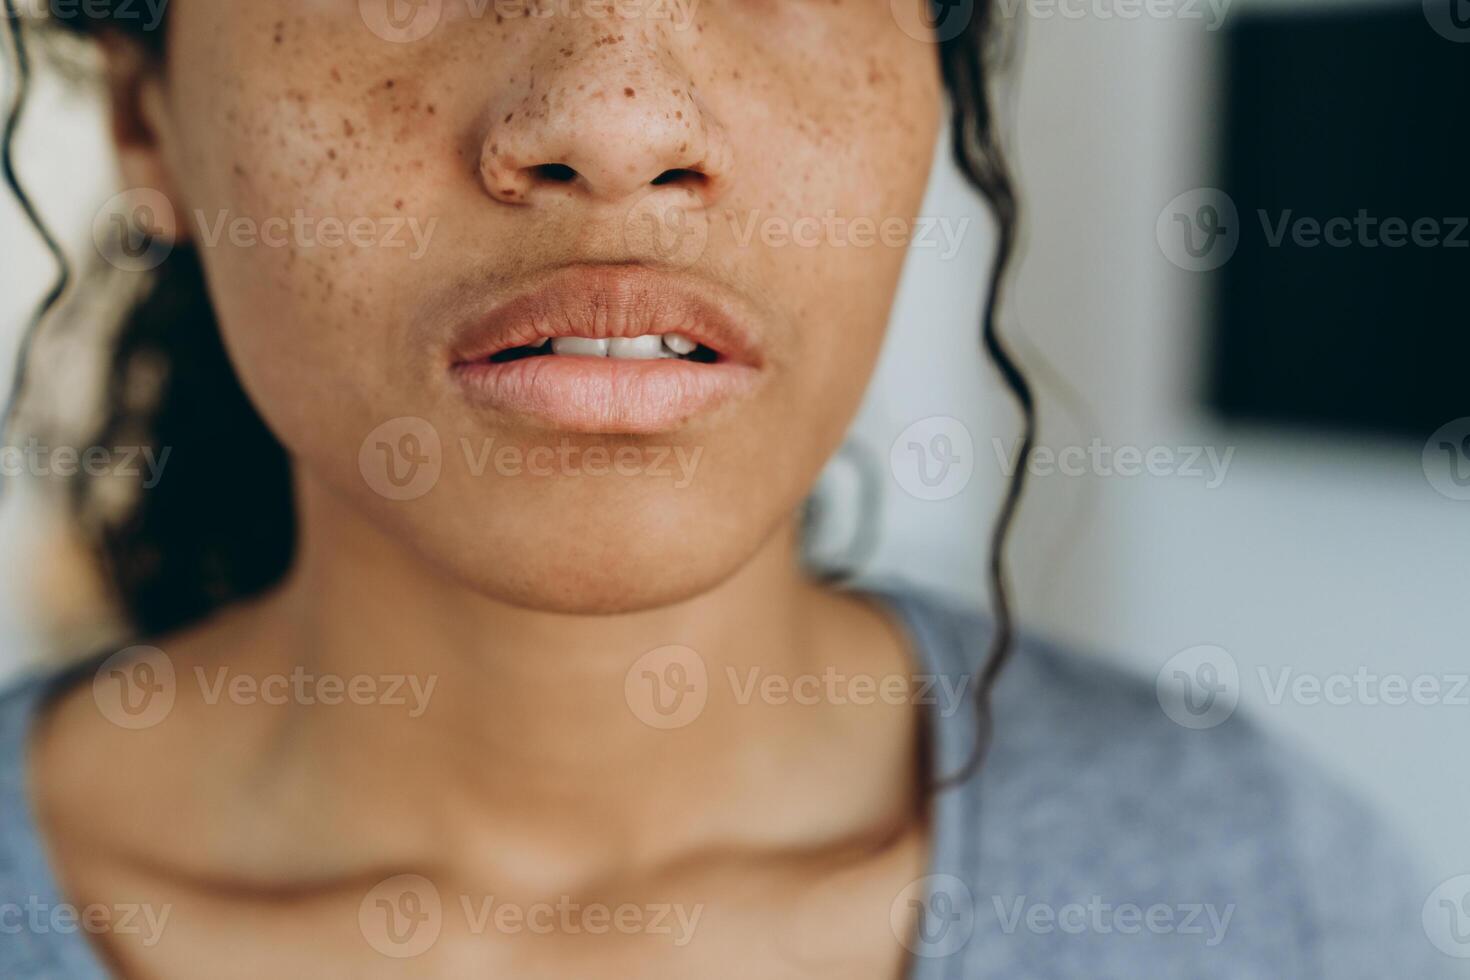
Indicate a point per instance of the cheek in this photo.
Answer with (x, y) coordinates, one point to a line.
(302, 163)
(836, 159)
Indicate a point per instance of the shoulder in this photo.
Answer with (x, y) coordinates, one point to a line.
(1108, 838)
(40, 940)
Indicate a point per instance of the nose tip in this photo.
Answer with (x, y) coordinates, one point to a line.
(607, 142)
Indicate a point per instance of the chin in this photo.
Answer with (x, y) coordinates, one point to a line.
(611, 577)
(609, 560)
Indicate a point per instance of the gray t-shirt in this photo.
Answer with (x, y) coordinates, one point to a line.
(1099, 839)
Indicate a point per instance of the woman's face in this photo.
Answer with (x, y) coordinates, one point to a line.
(388, 221)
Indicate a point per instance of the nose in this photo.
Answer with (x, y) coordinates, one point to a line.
(605, 117)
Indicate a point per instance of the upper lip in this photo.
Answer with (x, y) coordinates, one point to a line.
(611, 301)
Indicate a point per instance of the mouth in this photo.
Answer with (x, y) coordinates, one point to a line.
(609, 349)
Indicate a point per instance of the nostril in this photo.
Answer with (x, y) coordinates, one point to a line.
(554, 173)
(680, 175)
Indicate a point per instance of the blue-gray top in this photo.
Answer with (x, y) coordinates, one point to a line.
(1100, 839)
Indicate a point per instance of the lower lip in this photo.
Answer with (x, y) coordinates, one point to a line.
(604, 394)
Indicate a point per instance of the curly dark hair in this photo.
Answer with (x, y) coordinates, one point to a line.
(220, 526)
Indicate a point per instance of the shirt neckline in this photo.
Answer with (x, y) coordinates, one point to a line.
(24, 849)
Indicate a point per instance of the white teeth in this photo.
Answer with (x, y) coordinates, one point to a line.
(585, 346)
(649, 347)
(645, 348)
(679, 344)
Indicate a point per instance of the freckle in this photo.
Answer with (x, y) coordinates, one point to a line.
(336, 75)
(347, 127)
(679, 114)
(389, 83)
(239, 170)
(331, 154)
(431, 110)
(398, 204)
(494, 148)
(629, 92)
(508, 117)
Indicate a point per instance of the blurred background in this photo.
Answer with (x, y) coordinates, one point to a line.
(1241, 295)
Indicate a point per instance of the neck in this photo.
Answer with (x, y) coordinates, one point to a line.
(513, 717)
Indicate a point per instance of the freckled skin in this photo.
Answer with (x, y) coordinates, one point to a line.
(263, 828)
(797, 108)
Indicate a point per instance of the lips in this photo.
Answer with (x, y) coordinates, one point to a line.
(609, 349)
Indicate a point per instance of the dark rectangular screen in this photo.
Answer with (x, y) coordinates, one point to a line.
(1362, 116)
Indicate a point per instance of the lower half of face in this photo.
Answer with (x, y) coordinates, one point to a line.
(574, 307)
